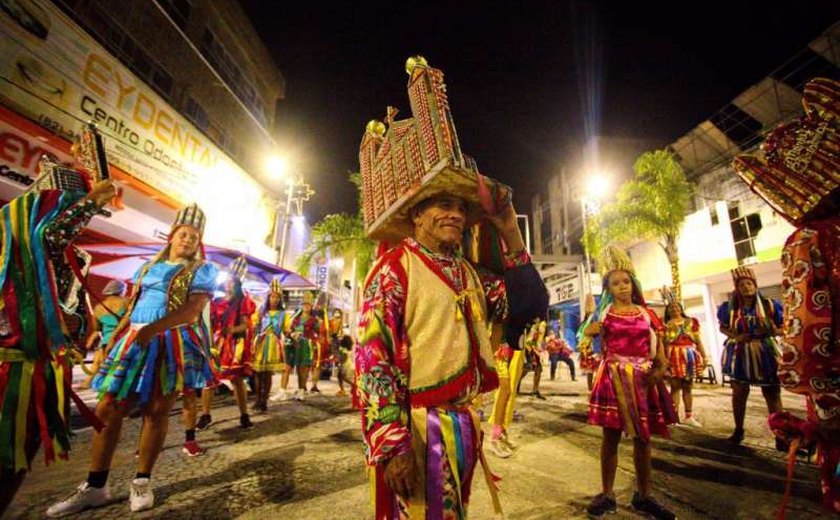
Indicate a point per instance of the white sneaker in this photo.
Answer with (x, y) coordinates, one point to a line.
(300, 394)
(691, 421)
(509, 443)
(500, 449)
(279, 396)
(85, 497)
(141, 497)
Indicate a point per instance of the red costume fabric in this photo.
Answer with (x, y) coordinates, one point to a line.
(236, 353)
(810, 362)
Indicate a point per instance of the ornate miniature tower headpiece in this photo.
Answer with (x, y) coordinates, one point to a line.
(403, 162)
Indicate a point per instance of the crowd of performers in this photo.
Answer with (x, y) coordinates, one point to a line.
(167, 338)
(438, 329)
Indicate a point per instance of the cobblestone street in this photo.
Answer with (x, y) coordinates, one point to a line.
(304, 460)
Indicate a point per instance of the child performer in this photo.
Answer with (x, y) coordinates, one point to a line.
(268, 345)
(629, 394)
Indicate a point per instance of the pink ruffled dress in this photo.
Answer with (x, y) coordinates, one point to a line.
(621, 399)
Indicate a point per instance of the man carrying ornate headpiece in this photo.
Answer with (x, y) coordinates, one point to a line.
(40, 289)
(159, 350)
(233, 336)
(628, 395)
(751, 323)
(425, 351)
(798, 174)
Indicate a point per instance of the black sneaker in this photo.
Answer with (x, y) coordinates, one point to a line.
(601, 506)
(245, 422)
(539, 396)
(737, 436)
(650, 507)
(204, 422)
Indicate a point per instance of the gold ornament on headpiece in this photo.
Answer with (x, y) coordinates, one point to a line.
(190, 216)
(798, 166)
(743, 273)
(614, 259)
(275, 286)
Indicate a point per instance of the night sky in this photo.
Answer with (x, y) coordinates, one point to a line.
(527, 80)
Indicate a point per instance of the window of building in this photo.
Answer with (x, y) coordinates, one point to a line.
(132, 55)
(714, 215)
(178, 10)
(547, 246)
(196, 114)
(226, 67)
(744, 231)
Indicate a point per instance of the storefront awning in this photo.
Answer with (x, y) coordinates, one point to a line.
(121, 261)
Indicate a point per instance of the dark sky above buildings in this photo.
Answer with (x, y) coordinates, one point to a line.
(527, 80)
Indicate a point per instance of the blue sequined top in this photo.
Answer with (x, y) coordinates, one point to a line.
(154, 296)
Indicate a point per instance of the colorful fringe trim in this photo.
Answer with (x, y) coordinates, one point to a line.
(447, 445)
(35, 375)
(173, 361)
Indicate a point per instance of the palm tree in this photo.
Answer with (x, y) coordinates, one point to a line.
(341, 235)
(652, 206)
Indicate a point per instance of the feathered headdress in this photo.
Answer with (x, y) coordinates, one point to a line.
(742, 273)
(614, 259)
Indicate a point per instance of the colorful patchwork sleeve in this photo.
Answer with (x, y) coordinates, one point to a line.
(68, 224)
(382, 363)
(809, 365)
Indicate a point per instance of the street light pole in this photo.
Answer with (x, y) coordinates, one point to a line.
(588, 260)
(281, 257)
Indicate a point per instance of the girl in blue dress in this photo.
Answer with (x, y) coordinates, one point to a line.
(160, 350)
(751, 323)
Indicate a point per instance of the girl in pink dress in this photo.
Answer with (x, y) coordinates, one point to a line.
(629, 394)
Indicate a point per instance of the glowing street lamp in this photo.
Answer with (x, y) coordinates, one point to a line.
(278, 166)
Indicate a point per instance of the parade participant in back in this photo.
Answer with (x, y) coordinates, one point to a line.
(38, 287)
(558, 350)
(160, 351)
(798, 174)
(107, 315)
(629, 394)
(233, 337)
(304, 330)
(686, 357)
(269, 339)
(751, 323)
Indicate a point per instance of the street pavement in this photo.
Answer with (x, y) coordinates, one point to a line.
(304, 460)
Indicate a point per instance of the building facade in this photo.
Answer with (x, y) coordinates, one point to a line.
(183, 91)
(728, 225)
